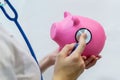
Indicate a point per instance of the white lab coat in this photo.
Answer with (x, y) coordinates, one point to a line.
(16, 63)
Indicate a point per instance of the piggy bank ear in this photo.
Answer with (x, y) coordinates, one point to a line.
(76, 21)
(66, 14)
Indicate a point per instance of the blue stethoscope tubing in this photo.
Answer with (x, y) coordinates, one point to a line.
(19, 27)
(15, 20)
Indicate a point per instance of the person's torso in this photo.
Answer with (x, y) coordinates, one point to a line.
(24, 65)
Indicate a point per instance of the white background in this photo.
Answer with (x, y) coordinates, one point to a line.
(36, 17)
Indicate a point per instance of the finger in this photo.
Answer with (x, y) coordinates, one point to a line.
(99, 56)
(81, 45)
(92, 63)
(67, 49)
(90, 59)
(84, 58)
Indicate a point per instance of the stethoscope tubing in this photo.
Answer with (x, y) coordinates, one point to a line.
(15, 20)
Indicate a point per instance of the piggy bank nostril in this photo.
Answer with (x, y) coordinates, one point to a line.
(83, 30)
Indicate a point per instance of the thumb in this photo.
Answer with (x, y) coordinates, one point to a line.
(67, 50)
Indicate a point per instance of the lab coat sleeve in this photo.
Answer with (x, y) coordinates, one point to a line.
(6, 62)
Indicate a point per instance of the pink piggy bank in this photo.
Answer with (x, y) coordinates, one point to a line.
(71, 27)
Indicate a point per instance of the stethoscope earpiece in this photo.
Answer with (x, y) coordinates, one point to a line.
(2, 2)
(83, 30)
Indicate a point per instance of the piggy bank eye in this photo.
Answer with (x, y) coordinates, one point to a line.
(83, 30)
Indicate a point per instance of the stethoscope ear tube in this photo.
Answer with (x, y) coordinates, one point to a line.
(12, 8)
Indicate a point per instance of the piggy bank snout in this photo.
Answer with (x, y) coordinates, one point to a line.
(53, 31)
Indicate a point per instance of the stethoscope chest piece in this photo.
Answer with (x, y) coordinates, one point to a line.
(83, 30)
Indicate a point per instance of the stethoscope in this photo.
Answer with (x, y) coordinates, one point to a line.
(78, 34)
(15, 20)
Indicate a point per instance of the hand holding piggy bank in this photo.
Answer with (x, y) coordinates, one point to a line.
(71, 27)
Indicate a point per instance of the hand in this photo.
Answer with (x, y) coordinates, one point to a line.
(48, 61)
(90, 61)
(72, 66)
(52, 57)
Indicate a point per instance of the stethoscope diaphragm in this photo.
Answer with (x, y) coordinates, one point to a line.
(83, 30)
